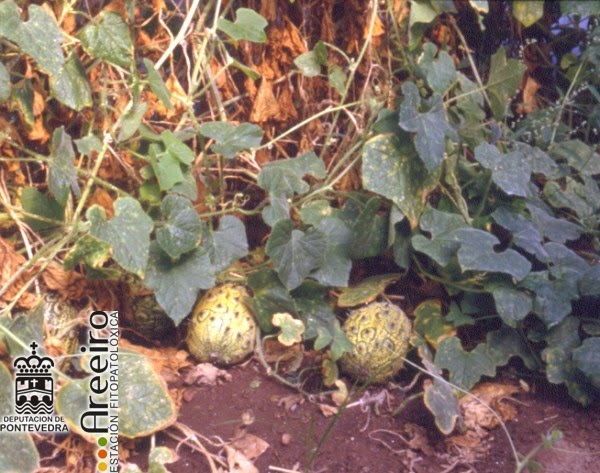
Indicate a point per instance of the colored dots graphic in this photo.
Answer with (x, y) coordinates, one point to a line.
(102, 466)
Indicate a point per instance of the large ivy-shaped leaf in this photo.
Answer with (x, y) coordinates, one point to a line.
(440, 399)
(525, 234)
(465, 368)
(504, 79)
(585, 159)
(552, 299)
(232, 139)
(510, 172)
(229, 243)
(512, 305)
(282, 179)
(555, 229)
(166, 167)
(128, 232)
(430, 323)
(62, 167)
(583, 199)
(248, 25)
(182, 229)
(370, 231)
(587, 359)
(431, 126)
(36, 203)
(41, 38)
(70, 85)
(336, 264)
(443, 244)
(439, 72)
(389, 168)
(176, 285)
(107, 37)
(269, 297)
(506, 342)
(295, 253)
(477, 253)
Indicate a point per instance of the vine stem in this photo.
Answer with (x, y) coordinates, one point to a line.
(180, 35)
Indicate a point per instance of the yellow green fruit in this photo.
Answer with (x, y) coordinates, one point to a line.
(222, 329)
(148, 318)
(379, 333)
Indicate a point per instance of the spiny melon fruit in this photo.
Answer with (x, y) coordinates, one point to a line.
(148, 318)
(379, 333)
(222, 329)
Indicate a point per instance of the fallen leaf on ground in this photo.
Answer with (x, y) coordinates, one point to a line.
(249, 445)
(205, 373)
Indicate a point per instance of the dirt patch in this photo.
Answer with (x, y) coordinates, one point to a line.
(367, 439)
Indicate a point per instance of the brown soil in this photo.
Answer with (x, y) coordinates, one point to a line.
(302, 438)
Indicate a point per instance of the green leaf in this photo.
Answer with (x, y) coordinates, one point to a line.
(367, 290)
(525, 233)
(107, 37)
(88, 144)
(229, 243)
(176, 285)
(587, 359)
(295, 253)
(62, 175)
(457, 317)
(440, 73)
(465, 368)
(89, 250)
(248, 25)
(5, 86)
(182, 227)
(231, 138)
(510, 172)
(430, 323)
(422, 13)
(128, 232)
(581, 7)
(145, 405)
(282, 179)
(589, 284)
(177, 148)
(308, 64)
(444, 243)
(166, 167)
(336, 264)
(431, 126)
(370, 231)
(441, 400)
(552, 300)
(41, 38)
(554, 229)
(506, 342)
(389, 168)
(583, 199)
(157, 85)
(43, 205)
(291, 328)
(578, 155)
(158, 457)
(528, 12)
(512, 305)
(337, 78)
(131, 120)
(504, 79)
(477, 253)
(269, 297)
(340, 343)
(10, 20)
(18, 452)
(70, 85)
(313, 212)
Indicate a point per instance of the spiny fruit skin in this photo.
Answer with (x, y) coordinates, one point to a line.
(222, 329)
(379, 332)
(148, 318)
